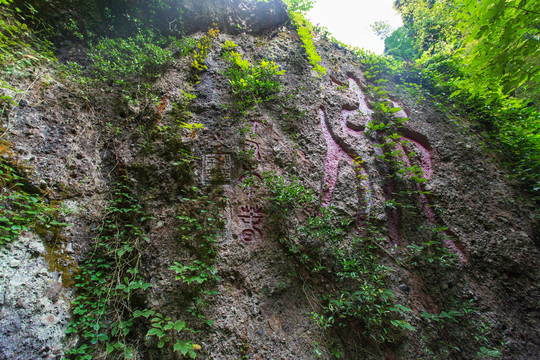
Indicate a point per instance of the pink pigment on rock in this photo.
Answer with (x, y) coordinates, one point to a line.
(425, 157)
(401, 114)
(334, 154)
(427, 169)
(363, 108)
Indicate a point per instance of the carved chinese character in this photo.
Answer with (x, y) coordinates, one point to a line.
(256, 124)
(252, 216)
(217, 168)
(254, 149)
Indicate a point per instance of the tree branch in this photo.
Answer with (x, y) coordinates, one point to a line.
(529, 11)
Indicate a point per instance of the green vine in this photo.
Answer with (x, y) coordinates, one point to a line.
(23, 206)
(110, 281)
(304, 28)
(359, 298)
(202, 48)
(252, 84)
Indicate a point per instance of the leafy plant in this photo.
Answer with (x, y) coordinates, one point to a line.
(23, 207)
(130, 61)
(167, 330)
(16, 39)
(305, 29)
(351, 264)
(489, 24)
(203, 47)
(300, 5)
(109, 280)
(287, 196)
(476, 60)
(432, 251)
(252, 84)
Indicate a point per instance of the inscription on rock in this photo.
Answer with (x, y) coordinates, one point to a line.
(217, 169)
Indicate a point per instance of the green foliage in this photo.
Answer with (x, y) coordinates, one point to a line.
(167, 330)
(197, 272)
(110, 279)
(17, 40)
(296, 9)
(107, 314)
(501, 47)
(432, 251)
(84, 19)
(23, 207)
(199, 226)
(444, 328)
(12, 32)
(20, 50)
(130, 61)
(299, 6)
(430, 25)
(252, 84)
(203, 47)
(287, 196)
(381, 28)
(305, 29)
(172, 128)
(351, 264)
(472, 71)
(361, 291)
(400, 45)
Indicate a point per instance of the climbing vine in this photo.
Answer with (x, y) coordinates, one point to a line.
(111, 281)
(108, 315)
(359, 298)
(201, 50)
(252, 84)
(23, 206)
(305, 31)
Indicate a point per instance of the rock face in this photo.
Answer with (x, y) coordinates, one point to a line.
(458, 246)
(233, 16)
(35, 306)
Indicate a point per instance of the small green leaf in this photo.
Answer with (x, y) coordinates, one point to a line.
(102, 337)
(182, 346)
(179, 325)
(154, 331)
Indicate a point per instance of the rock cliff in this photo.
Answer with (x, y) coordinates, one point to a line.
(298, 216)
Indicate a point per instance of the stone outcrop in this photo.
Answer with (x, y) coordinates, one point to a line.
(316, 129)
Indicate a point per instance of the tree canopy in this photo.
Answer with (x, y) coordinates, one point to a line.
(483, 54)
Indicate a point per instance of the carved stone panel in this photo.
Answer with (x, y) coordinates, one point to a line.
(217, 169)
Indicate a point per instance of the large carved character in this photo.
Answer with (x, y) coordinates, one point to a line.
(343, 122)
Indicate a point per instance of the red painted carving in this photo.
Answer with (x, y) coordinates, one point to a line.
(427, 170)
(256, 149)
(251, 179)
(250, 235)
(255, 125)
(219, 140)
(335, 153)
(252, 216)
(249, 169)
